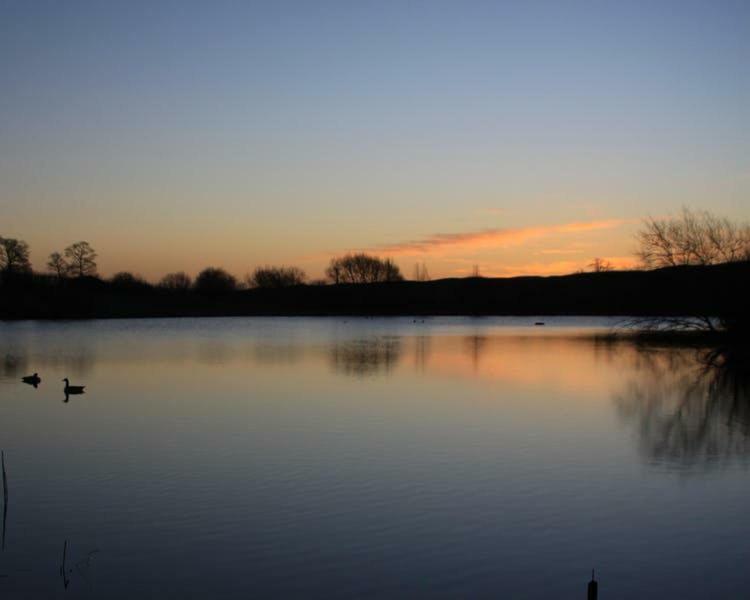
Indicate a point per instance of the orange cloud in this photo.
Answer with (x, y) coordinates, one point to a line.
(492, 238)
(561, 251)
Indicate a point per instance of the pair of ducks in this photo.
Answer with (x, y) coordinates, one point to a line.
(35, 380)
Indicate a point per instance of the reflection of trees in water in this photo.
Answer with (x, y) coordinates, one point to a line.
(692, 407)
(79, 361)
(214, 352)
(76, 361)
(278, 354)
(422, 352)
(475, 345)
(365, 357)
(14, 365)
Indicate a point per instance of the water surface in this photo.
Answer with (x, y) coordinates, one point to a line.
(371, 458)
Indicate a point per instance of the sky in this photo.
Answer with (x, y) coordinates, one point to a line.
(520, 137)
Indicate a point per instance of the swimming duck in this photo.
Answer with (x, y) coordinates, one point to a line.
(34, 379)
(73, 389)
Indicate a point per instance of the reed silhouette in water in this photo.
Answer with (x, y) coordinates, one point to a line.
(593, 588)
(81, 567)
(5, 496)
(63, 568)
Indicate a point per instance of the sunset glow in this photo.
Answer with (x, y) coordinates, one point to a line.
(507, 137)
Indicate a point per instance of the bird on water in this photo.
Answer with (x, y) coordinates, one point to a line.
(73, 389)
(34, 379)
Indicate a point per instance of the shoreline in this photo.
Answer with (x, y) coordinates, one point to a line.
(670, 292)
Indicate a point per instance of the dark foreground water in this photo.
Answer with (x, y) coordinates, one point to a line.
(368, 458)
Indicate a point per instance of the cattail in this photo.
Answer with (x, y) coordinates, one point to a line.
(593, 590)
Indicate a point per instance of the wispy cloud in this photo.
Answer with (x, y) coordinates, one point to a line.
(492, 238)
(554, 251)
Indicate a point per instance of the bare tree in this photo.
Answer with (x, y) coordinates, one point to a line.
(178, 282)
(82, 259)
(14, 256)
(599, 265)
(276, 277)
(693, 238)
(335, 271)
(362, 268)
(58, 265)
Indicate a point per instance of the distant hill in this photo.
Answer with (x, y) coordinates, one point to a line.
(689, 290)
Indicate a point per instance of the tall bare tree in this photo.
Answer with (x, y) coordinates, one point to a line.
(14, 256)
(692, 238)
(599, 265)
(362, 268)
(178, 282)
(58, 265)
(82, 259)
(276, 277)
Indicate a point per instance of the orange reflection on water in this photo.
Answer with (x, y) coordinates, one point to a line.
(558, 362)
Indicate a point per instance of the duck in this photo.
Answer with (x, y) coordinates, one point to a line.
(73, 389)
(34, 379)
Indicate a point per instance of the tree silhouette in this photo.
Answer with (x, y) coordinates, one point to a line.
(362, 268)
(693, 238)
(599, 265)
(82, 259)
(14, 256)
(214, 280)
(335, 271)
(58, 265)
(128, 281)
(276, 277)
(178, 281)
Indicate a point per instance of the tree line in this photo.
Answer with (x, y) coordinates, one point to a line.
(78, 261)
(691, 238)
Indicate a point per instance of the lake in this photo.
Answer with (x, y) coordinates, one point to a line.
(368, 458)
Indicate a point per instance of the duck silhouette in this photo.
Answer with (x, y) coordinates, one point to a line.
(72, 389)
(34, 379)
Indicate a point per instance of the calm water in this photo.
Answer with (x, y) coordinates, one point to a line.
(368, 458)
